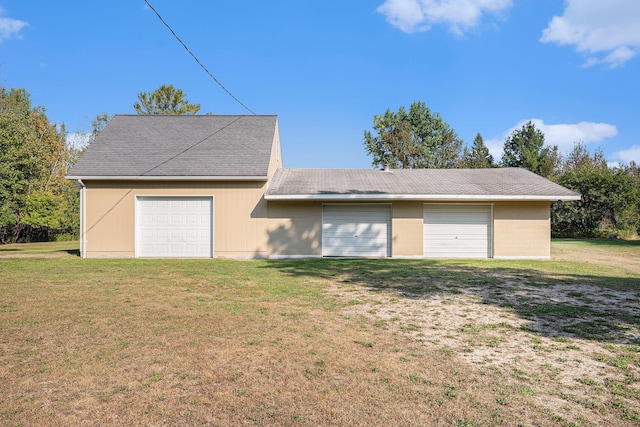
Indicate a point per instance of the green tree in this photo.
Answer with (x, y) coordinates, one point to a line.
(478, 156)
(580, 157)
(33, 162)
(552, 163)
(525, 148)
(610, 196)
(165, 100)
(97, 124)
(412, 140)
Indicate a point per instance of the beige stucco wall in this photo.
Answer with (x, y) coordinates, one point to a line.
(294, 228)
(406, 229)
(275, 162)
(247, 226)
(239, 215)
(521, 230)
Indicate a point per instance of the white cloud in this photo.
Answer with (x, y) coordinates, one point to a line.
(460, 15)
(562, 135)
(10, 27)
(628, 155)
(405, 14)
(609, 31)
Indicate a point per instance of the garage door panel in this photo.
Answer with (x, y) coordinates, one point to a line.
(453, 245)
(159, 248)
(174, 226)
(355, 251)
(356, 243)
(362, 232)
(457, 231)
(356, 230)
(461, 229)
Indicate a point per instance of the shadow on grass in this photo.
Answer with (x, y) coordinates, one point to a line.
(74, 252)
(556, 304)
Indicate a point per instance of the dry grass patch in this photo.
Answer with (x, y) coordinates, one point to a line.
(217, 342)
(317, 342)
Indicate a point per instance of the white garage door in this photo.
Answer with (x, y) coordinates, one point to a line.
(356, 230)
(174, 227)
(457, 231)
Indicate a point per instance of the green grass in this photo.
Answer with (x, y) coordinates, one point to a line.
(68, 247)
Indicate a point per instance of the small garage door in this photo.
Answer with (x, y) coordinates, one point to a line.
(174, 227)
(356, 230)
(457, 231)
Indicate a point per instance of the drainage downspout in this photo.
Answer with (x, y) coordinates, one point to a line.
(83, 219)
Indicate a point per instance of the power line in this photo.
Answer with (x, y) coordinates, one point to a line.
(193, 146)
(196, 58)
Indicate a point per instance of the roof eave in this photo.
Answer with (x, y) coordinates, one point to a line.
(425, 197)
(169, 178)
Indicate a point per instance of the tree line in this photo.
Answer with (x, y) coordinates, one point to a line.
(610, 204)
(37, 203)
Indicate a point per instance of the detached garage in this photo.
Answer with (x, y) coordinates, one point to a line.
(190, 186)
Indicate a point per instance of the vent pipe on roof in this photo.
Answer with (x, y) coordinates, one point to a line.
(386, 167)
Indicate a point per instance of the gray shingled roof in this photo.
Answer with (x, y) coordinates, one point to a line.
(179, 146)
(417, 184)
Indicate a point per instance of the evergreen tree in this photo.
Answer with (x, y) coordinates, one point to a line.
(165, 100)
(478, 156)
(412, 140)
(525, 148)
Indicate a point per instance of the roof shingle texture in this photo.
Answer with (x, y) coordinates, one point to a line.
(180, 145)
(433, 182)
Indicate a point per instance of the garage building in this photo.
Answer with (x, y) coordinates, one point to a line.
(170, 186)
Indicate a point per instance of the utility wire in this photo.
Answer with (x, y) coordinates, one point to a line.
(193, 146)
(196, 58)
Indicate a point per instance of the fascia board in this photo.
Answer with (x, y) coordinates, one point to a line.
(168, 178)
(430, 197)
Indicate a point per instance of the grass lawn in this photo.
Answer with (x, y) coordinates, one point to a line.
(321, 342)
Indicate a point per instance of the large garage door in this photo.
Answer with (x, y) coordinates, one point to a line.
(457, 231)
(356, 230)
(174, 227)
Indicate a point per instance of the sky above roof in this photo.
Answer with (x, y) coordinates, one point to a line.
(326, 68)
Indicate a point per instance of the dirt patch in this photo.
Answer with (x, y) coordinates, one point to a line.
(565, 344)
(53, 255)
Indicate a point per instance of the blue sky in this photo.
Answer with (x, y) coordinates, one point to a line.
(327, 67)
